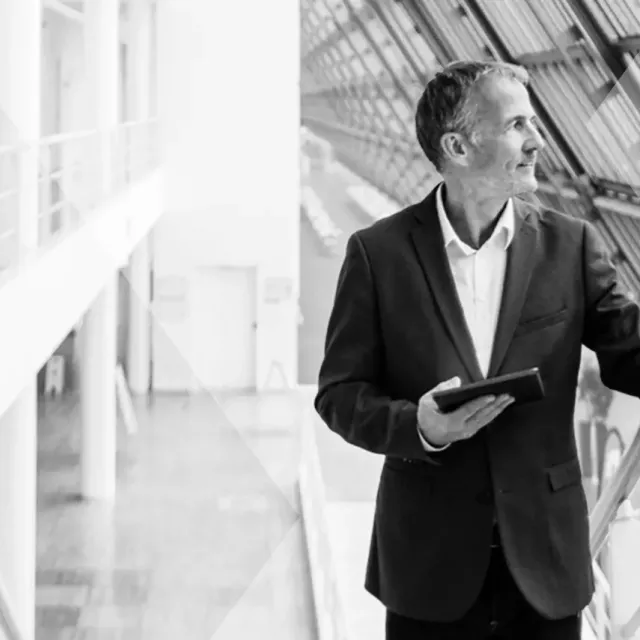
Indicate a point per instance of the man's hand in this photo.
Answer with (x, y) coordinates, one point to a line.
(440, 428)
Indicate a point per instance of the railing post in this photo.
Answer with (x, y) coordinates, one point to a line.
(66, 185)
(28, 235)
(624, 567)
(45, 191)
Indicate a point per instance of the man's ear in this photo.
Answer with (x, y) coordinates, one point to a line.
(454, 149)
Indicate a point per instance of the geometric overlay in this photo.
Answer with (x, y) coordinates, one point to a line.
(204, 527)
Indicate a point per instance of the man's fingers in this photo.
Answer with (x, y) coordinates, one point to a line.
(468, 410)
(489, 412)
(467, 420)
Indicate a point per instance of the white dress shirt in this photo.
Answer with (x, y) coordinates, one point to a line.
(479, 278)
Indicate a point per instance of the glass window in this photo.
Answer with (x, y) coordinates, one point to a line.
(618, 18)
(366, 66)
(414, 39)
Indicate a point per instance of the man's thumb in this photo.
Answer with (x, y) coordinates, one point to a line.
(451, 383)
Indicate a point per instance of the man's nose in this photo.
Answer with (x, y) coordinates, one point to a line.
(536, 141)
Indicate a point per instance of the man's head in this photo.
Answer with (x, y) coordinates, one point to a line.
(476, 124)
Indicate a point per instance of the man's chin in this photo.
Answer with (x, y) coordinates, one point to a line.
(526, 185)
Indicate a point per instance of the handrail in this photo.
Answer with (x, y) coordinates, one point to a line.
(8, 623)
(71, 168)
(330, 615)
(65, 10)
(133, 123)
(614, 493)
(601, 579)
(596, 614)
(9, 200)
(629, 629)
(57, 138)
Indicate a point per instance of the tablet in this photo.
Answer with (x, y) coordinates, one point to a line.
(523, 386)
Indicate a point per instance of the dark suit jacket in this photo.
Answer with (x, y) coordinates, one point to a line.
(397, 329)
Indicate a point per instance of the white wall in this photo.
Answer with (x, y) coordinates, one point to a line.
(228, 102)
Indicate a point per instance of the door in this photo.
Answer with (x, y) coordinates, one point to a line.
(224, 328)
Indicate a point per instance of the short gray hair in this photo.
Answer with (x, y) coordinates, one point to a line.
(444, 104)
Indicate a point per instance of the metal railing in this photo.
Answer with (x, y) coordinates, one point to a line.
(330, 614)
(597, 613)
(614, 493)
(9, 190)
(8, 623)
(135, 146)
(66, 181)
(76, 172)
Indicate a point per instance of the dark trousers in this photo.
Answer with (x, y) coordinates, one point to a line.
(500, 612)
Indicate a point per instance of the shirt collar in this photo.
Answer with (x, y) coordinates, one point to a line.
(502, 233)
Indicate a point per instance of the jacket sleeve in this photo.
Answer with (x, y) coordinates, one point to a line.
(350, 399)
(612, 319)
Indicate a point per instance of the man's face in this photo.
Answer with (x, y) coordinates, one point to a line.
(502, 158)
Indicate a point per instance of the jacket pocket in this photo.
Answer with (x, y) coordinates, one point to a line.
(564, 475)
(542, 322)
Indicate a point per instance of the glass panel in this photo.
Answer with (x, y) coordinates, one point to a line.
(604, 139)
(447, 17)
(414, 38)
(518, 27)
(619, 18)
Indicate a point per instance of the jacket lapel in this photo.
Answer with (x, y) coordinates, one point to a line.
(520, 261)
(429, 243)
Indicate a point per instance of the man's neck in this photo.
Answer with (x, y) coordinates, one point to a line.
(472, 216)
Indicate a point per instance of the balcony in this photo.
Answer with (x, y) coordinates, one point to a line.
(98, 195)
(77, 173)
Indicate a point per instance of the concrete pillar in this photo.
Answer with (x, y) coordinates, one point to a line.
(138, 345)
(20, 39)
(138, 82)
(102, 86)
(624, 568)
(153, 73)
(98, 395)
(18, 458)
(139, 60)
(139, 100)
(98, 335)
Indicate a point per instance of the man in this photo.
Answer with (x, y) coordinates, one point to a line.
(481, 525)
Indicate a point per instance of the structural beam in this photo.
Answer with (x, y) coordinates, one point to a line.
(611, 54)
(64, 10)
(335, 36)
